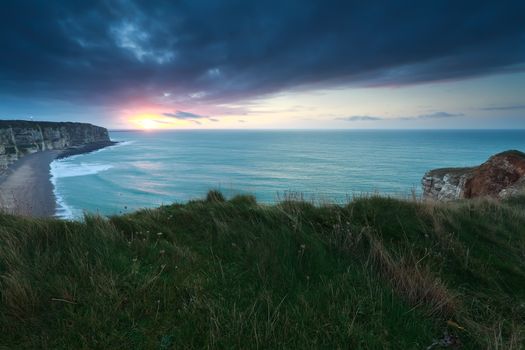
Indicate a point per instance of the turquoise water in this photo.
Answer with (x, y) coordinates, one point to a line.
(152, 168)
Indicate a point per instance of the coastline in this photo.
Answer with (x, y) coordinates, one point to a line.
(25, 186)
(87, 148)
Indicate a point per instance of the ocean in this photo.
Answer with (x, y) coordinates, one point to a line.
(150, 168)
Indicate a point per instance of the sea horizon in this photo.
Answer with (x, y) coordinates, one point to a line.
(314, 129)
(160, 167)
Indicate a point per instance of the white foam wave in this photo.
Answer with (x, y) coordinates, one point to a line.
(61, 169)
(119, 144)
(62, 211)
(65, 168)
(123, 143)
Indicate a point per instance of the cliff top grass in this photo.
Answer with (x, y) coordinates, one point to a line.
(33, 124)
(466, 170)
(512, 152)
(378, 273)
(440, 172)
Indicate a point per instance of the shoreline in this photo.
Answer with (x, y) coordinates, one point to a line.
(25, 186)
(87, 148)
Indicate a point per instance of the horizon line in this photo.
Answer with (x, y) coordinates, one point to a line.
(312, 129)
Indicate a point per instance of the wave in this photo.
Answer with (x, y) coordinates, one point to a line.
(63, 168)
(60, 169)
(62, 211)
(66, 167)
(120, 143)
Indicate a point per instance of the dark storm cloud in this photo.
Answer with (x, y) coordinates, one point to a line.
(435, 115)
(217, 51)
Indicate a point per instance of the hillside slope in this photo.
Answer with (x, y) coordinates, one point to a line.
(378, 273)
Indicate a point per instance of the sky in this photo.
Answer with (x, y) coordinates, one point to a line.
(268, 64)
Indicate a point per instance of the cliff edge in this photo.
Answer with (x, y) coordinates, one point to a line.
(19, 138)
(501, 176)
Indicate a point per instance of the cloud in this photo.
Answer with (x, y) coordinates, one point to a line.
(192, 117)
(504, 108)
(435, 115)
(162, 121)
(129, 36)
(185, 115)
(218, 52)
(359, 118)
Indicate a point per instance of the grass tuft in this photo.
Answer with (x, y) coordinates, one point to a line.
(215, 196)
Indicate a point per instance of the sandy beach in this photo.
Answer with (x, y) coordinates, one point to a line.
(25, 187)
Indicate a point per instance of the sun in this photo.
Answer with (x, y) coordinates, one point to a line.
(148, 124)
(147, 121)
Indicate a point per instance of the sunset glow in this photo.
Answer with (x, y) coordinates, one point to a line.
(148, 124)
(151, 122)
(334, 73)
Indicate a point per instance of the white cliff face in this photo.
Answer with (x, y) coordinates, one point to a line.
(445, 185)
(19, 138)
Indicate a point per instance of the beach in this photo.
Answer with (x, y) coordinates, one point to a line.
(25, 187)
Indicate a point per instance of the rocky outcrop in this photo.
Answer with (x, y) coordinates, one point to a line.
(501, 176)
(19, 138)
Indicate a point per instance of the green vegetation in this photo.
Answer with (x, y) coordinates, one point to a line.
(378, 273)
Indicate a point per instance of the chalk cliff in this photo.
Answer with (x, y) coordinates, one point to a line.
(501, 176)
(19, 138)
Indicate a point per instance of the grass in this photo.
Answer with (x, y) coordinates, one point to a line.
(377, 273)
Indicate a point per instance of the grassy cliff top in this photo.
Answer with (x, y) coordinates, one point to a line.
(512, 152)
(460, 171)
(440, 172)
(378, 273)
(32, 124)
